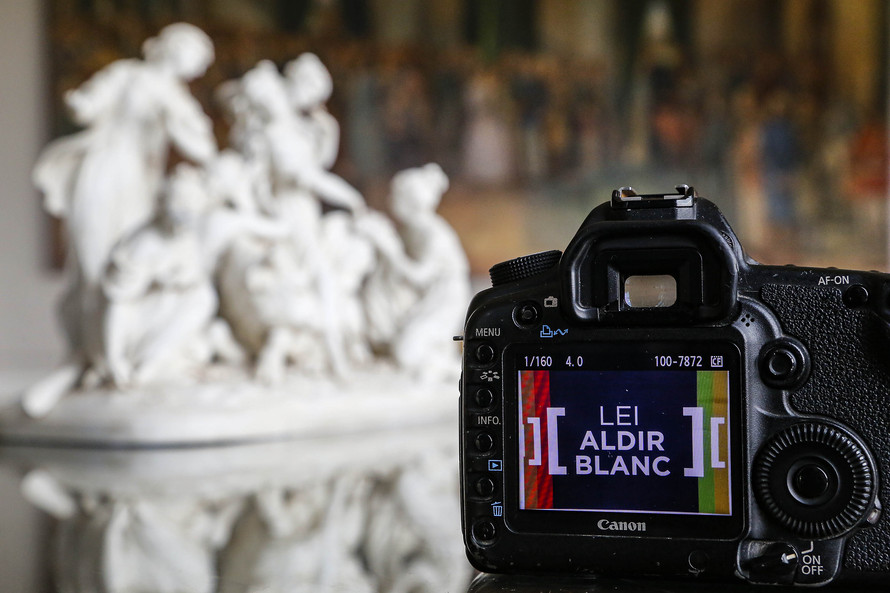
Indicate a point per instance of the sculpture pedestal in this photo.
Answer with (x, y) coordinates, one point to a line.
(233, 409)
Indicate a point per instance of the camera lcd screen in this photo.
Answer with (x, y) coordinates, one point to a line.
(632, 430)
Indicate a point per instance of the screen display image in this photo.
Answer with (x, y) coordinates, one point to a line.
(653, 436)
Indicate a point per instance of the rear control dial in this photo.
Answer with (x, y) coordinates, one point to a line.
(814, 479)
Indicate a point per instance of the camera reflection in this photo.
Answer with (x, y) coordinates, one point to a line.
(490, 583)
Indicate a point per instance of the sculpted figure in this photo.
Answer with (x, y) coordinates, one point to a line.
(318, 321)
(299, 146)
(161, 300)
(418, 296)
(284, 300)
(104, 181)
(309, 86)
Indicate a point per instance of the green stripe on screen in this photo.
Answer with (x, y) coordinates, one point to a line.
(706, 485)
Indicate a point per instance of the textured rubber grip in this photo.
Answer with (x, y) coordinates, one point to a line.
(850, 381)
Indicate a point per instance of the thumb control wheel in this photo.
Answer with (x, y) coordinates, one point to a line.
(814, 479)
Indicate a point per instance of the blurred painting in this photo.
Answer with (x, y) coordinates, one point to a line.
(537, 109)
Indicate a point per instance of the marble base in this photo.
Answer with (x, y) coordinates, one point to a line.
(231, 410)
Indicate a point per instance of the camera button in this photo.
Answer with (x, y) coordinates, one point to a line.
(485, 353)
(484, 531)
(809, 483)
(698, 561)
(784, 364)
(814, 479)
(484, 442)
(780, 363)
(526, 315)
(484, 487)
(856, 296)
(484, 397)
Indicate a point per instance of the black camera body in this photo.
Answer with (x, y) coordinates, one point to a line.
(654, 402)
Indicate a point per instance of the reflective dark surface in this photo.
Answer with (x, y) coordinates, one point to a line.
(490, 583)
(311, 515)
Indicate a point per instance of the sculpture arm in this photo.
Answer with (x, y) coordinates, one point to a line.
(100, 92)
(386, 240)
(266, 228)
(436, 248)
(190, 129)
(332, 189)
(328, 136)
(379, 231)
(124, 281)
(134, 265)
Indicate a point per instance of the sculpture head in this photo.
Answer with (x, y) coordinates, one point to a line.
(417, 192)
(186, 196)
(264, 91)
(309, 84)
(185, 49)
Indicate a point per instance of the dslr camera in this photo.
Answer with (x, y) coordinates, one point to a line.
(654, 402)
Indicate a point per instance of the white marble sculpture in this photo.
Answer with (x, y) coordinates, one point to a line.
(246, 294)
(253, 265)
